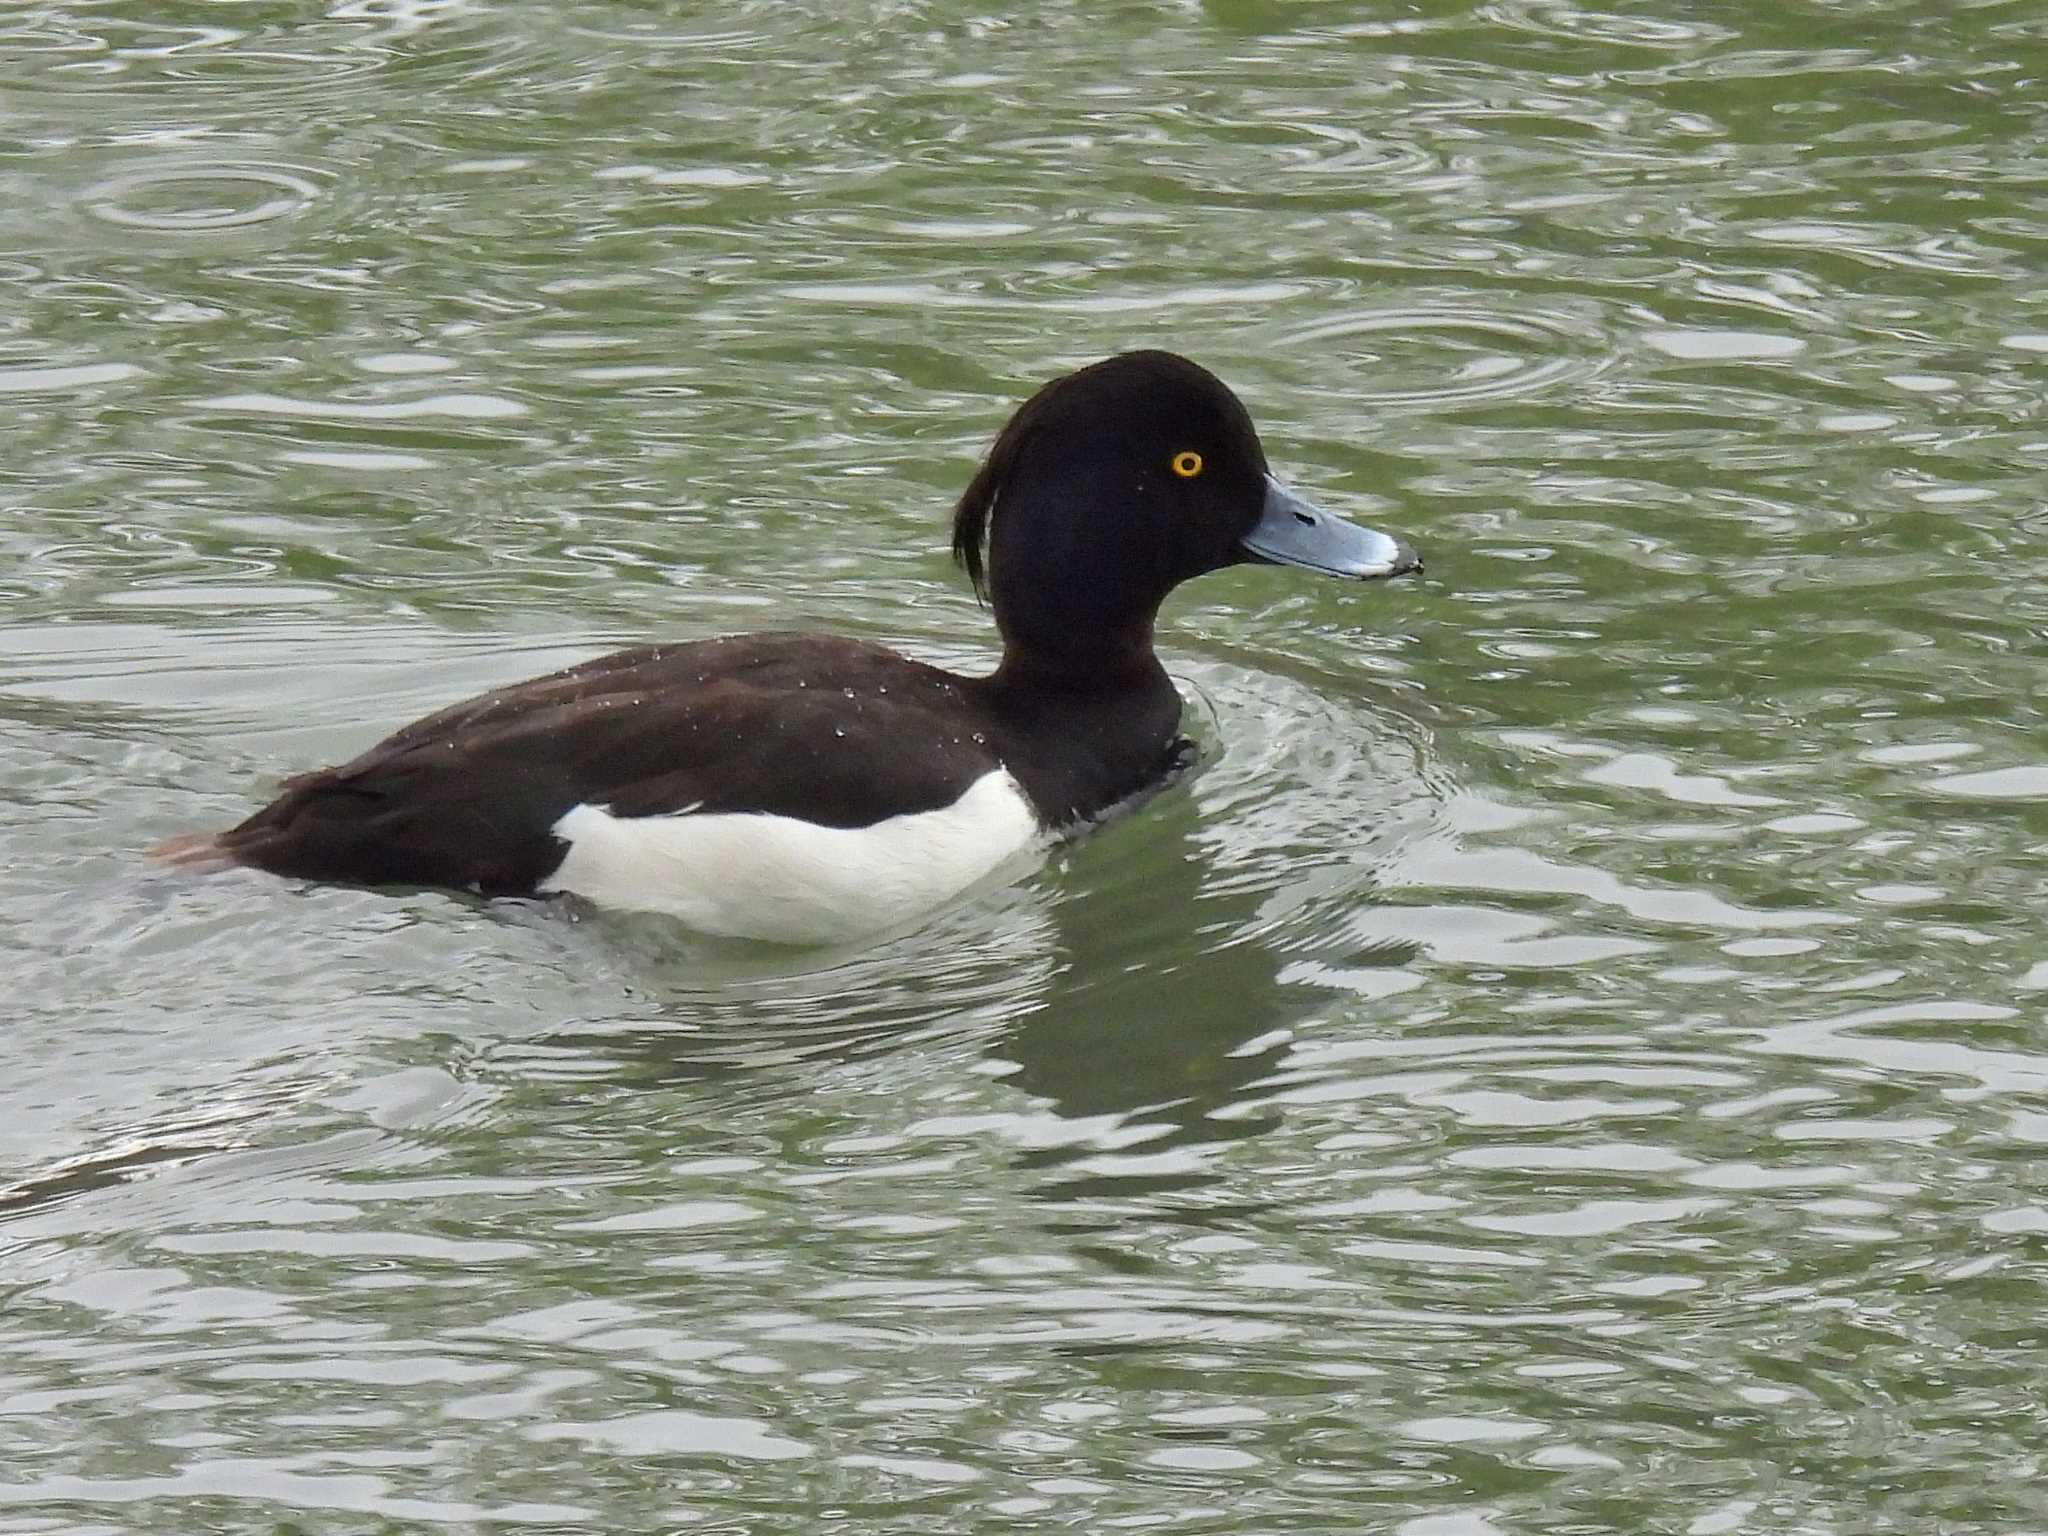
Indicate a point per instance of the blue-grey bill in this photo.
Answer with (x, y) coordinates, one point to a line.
(1293, 530)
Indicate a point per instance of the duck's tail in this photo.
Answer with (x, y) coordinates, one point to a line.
(199, 852)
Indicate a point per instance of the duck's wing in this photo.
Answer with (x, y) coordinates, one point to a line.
(833, 732)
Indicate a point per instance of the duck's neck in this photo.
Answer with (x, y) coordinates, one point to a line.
(1087, 663)
(1071, 633)
(1083, 732)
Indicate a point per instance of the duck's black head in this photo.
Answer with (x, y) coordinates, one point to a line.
(1113, 485)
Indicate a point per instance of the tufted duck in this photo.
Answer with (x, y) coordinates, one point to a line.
(806, 788)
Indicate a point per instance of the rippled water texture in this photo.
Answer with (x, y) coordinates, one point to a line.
(1571, 1059)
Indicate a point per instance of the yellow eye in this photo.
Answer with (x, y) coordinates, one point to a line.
(1187, 464)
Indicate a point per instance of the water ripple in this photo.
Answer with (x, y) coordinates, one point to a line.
(201, 197)
(1448, 354)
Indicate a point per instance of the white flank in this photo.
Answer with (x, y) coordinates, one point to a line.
(747, 875)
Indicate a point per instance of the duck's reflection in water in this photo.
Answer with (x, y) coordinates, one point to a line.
(1126, 990)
